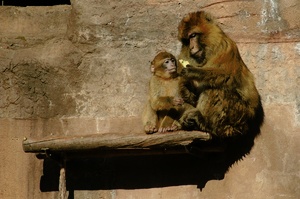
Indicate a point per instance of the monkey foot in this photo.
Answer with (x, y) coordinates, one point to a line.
(174, 127)
(190, 121)
(149, 129)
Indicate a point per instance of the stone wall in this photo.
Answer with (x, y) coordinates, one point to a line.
(84, 68)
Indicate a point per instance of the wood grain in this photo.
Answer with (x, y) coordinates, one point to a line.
(113, 141)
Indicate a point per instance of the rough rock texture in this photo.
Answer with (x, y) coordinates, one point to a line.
(84, 68)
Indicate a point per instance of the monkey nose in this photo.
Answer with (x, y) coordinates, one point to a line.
(193, 51)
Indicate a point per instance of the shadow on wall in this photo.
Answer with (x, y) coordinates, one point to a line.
(139, 172)
(131, 172)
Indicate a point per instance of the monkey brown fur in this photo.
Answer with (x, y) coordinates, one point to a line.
(165, 105)
(216, 81)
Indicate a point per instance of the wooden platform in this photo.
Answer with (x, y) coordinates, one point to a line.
(112, 144)
(65, 148)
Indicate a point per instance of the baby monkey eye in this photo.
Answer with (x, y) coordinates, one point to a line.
(169, 60)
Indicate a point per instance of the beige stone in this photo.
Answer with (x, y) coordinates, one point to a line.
(84, 68)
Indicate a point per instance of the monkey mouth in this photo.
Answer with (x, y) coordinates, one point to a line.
(198, 53)
(199, 56)
(171, 70)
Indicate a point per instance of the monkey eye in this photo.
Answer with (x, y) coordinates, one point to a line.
(193, 35)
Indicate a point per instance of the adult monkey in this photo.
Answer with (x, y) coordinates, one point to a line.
(217, 81)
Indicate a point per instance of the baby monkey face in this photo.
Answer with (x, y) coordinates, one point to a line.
(170, 65)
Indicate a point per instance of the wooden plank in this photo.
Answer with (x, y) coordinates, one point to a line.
(113, 141)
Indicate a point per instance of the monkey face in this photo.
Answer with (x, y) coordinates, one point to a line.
(169, 65)
(166, 68)
(164, 65)
(194, 32)
(196, 47)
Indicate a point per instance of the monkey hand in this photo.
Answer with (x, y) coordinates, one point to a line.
(178, 101)
(188, 71)
(185, 70)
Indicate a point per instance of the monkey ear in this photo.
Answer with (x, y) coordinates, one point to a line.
(209, 17)
(152, 68)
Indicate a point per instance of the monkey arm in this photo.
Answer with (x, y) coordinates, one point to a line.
(188, 92)
(149, 115)
(149, 119)
(162, 103)
(189, 97)
(209, 77)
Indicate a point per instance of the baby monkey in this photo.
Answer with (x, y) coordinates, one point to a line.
(165, 106)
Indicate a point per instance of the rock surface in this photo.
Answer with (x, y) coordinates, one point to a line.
(84, 68)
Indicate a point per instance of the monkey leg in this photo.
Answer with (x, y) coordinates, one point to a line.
(166, 124)
(226, 114)
(169, 120)
(150, 120)
(176, 125)
(192, 119)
